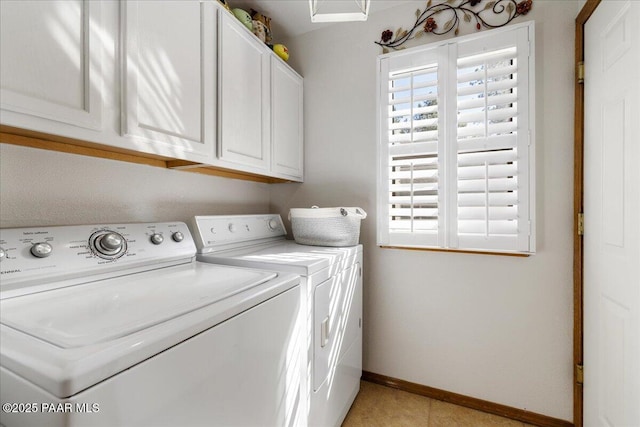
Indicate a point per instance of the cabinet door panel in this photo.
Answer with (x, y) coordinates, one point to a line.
(244, 92)
(170, 77)
(51, 60)
(286, 122)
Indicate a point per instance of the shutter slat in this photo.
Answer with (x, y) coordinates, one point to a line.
(500, 70)
(495, 227)
(414, 212)
(493, 171)
(403, 100)
(431, 135)
(476, 131)
(496, 86)
(418, 226)
(419, 200)
(431, 109)
(421, 161)
(495, 199)
(492, 100)
(492, 56)
(488, 145)
(491, 157)
(416, 174)
(423, 123)
(407, 188)
(494, 213)
(476, 185)
(466, 116)
(414, 150)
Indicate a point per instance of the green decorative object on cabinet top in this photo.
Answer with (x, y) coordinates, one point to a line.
(244, 17)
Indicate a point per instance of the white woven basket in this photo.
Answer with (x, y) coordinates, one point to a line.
(326, 226)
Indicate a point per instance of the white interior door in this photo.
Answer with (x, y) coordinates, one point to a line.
(612, 215)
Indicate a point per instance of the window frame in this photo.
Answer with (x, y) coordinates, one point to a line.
(446, 55)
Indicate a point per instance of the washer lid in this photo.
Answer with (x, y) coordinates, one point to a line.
(98, 312)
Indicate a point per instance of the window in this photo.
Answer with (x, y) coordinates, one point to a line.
(456, 144)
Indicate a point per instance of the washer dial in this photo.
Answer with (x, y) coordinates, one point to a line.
(107, 244)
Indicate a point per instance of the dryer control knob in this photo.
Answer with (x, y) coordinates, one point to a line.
(177, 236)
(156, 238)
(3, 254)
(41, 250)
(273, 225)
(232, 227)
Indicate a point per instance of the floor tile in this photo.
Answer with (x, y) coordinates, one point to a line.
(380, 406)
(445, 414)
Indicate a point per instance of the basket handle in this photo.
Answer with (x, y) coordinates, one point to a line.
(357, 211)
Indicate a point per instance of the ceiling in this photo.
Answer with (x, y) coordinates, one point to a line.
(290, 18)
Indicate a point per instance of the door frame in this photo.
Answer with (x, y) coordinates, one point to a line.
(578, 200)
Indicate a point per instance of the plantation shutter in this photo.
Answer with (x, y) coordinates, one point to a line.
(491, 210)
(455, 133)
(412, 123)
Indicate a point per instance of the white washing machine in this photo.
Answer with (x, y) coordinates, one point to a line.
(119, 325)
(331, 282)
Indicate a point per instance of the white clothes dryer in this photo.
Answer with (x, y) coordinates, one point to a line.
(331, 283)
(119, 325)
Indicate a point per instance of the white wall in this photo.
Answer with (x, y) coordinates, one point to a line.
(41, 187)
(492, 327)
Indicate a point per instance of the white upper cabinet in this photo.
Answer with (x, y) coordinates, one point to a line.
(243, 103)
(286, 122)
(168, 86)
(180, 79)
(51, 62)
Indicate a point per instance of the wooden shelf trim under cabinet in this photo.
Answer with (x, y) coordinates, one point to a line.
(39, 140)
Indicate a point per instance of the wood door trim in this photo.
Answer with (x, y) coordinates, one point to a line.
(578, 199)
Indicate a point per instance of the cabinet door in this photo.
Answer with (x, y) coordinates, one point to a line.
(286, 122)
(243, 110)
(51, 61)
(169, 77)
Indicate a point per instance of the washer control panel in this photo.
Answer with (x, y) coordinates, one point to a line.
(41, 255)
(216, 232)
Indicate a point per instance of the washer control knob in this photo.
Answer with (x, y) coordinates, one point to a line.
(110, 243)
(3, 254)
(177, 236)
(156, 238)
(273, 224)
(41, 249)
(232, 227)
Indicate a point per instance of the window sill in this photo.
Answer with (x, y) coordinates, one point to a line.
(463, 251)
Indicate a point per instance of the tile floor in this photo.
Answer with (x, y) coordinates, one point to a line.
(380, 406)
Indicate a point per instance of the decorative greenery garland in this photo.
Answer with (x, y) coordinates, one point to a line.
(462, 12)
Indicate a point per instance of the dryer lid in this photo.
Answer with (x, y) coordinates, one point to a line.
(287, 255)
